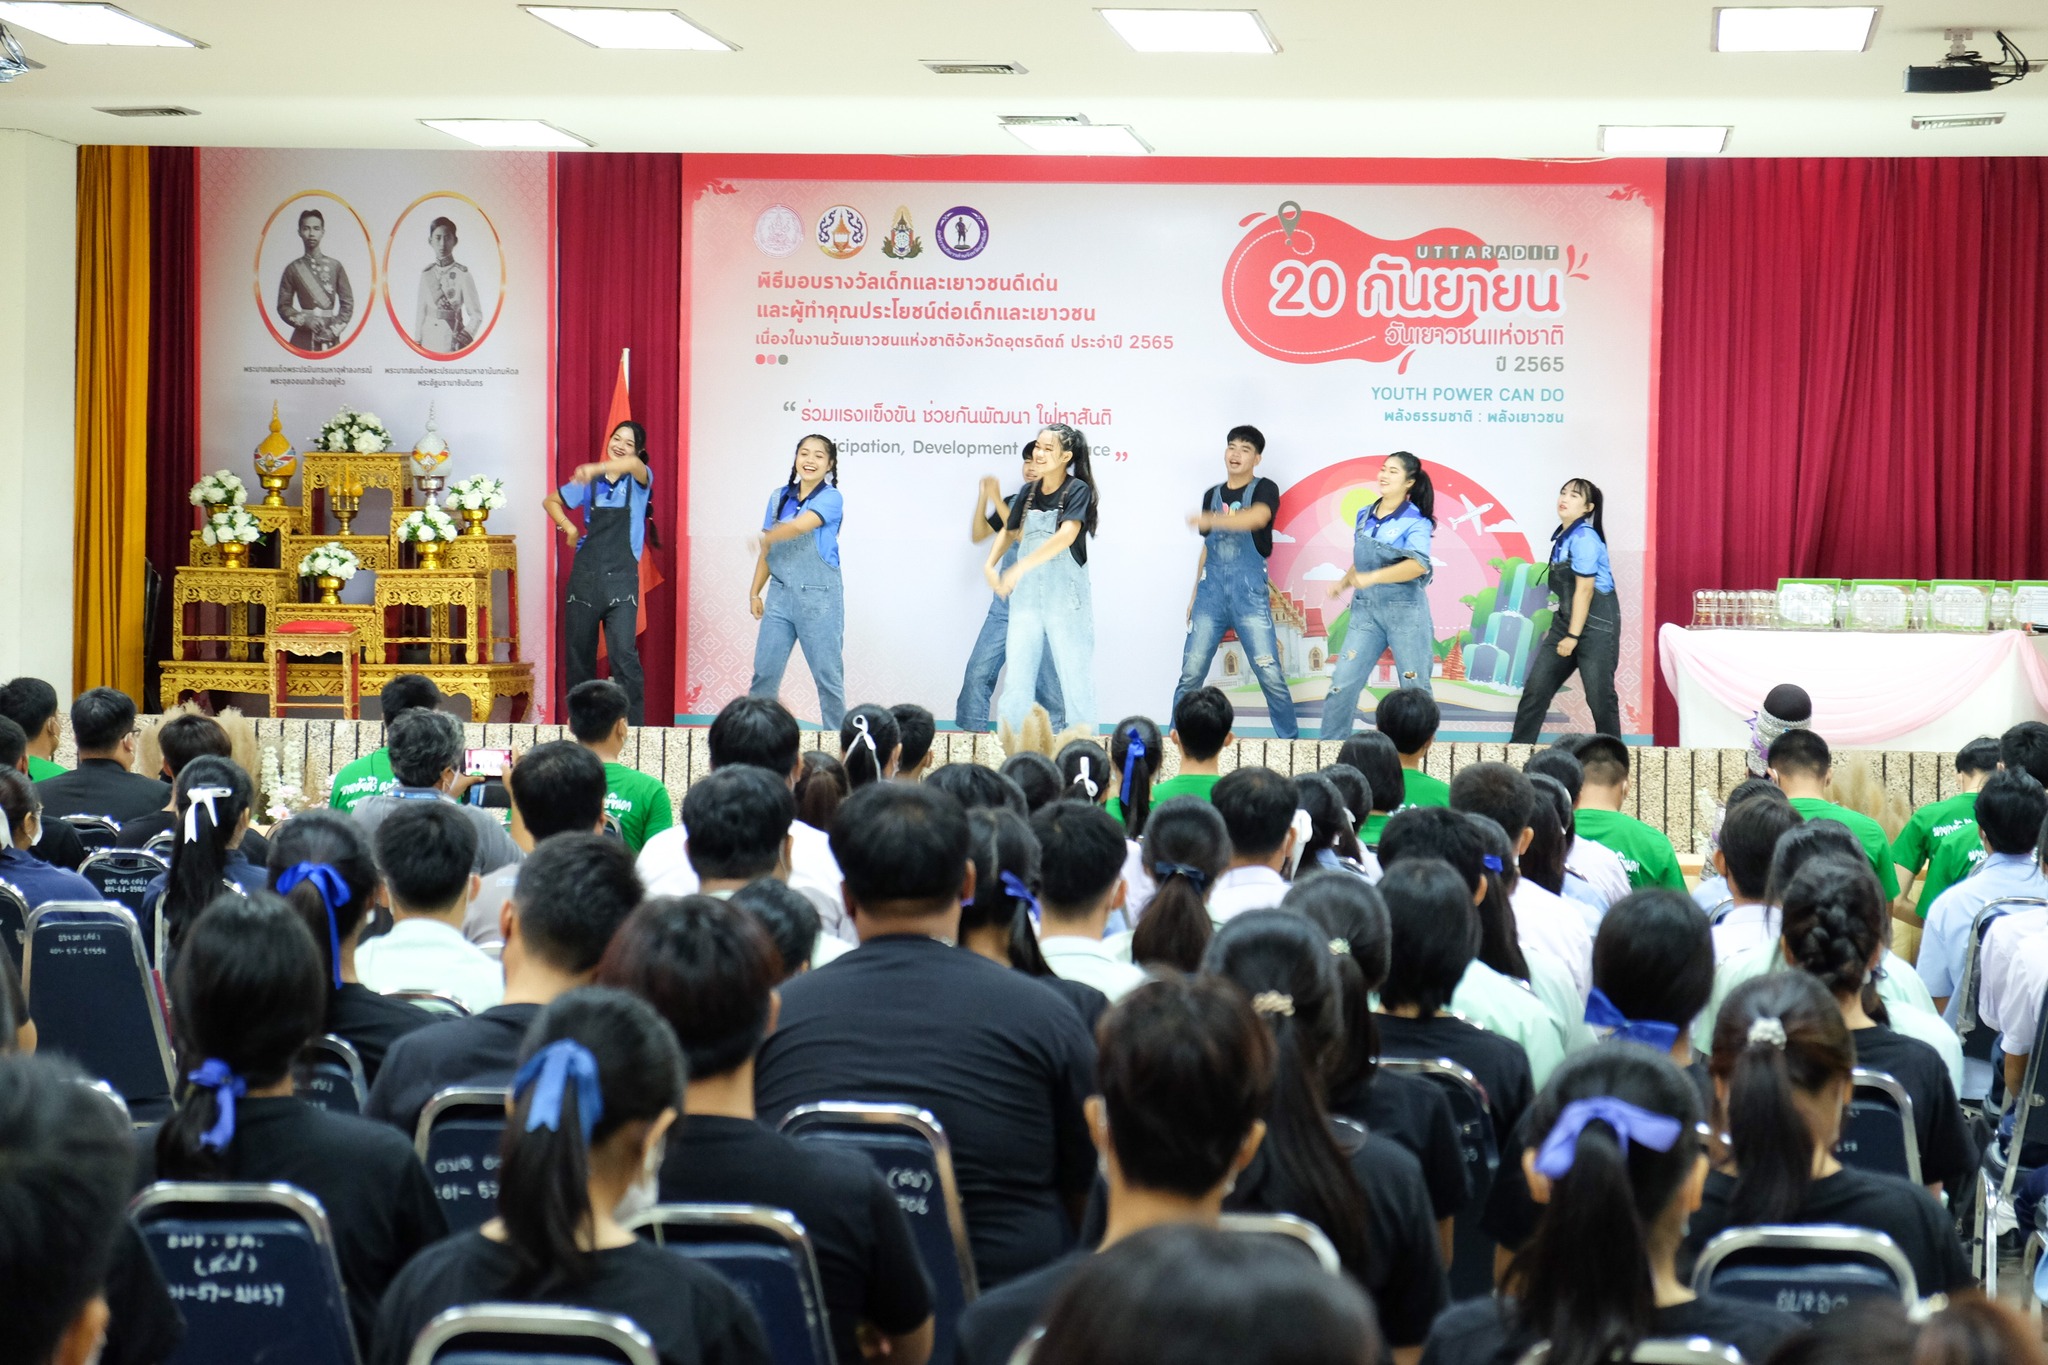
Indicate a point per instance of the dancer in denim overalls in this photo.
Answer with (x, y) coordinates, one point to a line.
(798, 567)
(1585, 627)
(1231, 592)
(1390, 572)
(604, 580)
(985, 660)
(1051, 608)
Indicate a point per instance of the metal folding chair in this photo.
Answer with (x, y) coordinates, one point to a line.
(1289, 1226)
(434, 1002)
(93, 999)
(1806, 1269)
(1471, 1267)
(94, 831)
(329, 1073)
(1877, 1129)
(123, 875)
(766, 1255)
(531, 1334)
(458, 1140)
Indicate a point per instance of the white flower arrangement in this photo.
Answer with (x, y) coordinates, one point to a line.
(332, 560)
(219, 489)
(233, 525)
(477, 493)
(348, 431)
(427, 523)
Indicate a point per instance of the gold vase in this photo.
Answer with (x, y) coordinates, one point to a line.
(475, 517)
(430, 553)
(234, 554)
(274, 486)
(330, 589)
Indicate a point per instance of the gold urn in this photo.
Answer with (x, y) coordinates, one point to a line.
(430, 553)
(475, 516)
(276, 462)
(330, 589)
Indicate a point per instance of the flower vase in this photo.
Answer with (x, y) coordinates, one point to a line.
(475, 517)
(234, 554)
(430, 554)
(330, 589)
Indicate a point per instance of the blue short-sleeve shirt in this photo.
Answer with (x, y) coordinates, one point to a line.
(825, 501)
(1588, 555)
(624, 491)
(1407, 530)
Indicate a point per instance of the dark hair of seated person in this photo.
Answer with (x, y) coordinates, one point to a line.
(210, 799)
(572, 894)
(738, 821)
(1202, 723)
(1434, 934)
(869, 743)
(758, 732)
(426, 849)
(423, 746)
(1803, 843)
(1257, 806)
(977, 787)
(1373, 756)
(331, 838)
(101, 717)
(902, 849)
(788, 916)
(999, 841)
(708, 968)
(820, 786)
(1037, 776)
(1749, 838)
(1186, 848)
(1654, 957)
(915, 729)
(190, 735)
(1185, 1072)
(557, 788)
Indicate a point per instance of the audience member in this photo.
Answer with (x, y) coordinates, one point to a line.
(1352, 786)
(597, 718)
(1645, 854)
(1595, 867)
(1332, 844)
(555, 788)
(2010, 812)
(426, 753)
(31, 703)
(1653, 972)
(1035, 775)
(1800, 763)
(1711, 893)
(211, 801)
(1374, 758)
(997, 922)
(599, 1082)
(1971, 1330)
(915, 730)
(1500, 947)
(573, 893)
(789, 919)
(321, 863)
(180, 739)
(103, 724)
(2024, 747)
(1411, 723)
(979, 788)
(1750, 833)
(1542, 862)
(1136, 751)
(1186, 851)
(371, 774)
(1080, 883)
(1942, 835)
(905, 1018)
(739, 823)
(246, 998)
(870, 745)
(426, 850)
(710, 970)
(1543, 919)
(57, 843)
(1257, 806)
(820, 786)
(1084, 773)
(21, 824)
(1201, 731)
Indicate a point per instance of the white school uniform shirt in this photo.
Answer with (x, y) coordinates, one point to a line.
(1548, 922)
(1744, 928)
(421, 954)
(1945, 938)
(1245, 888)
(665, 871)
(2013, 971)
(1092, 962)
(1599, 867)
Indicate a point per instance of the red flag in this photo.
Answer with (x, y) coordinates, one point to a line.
(650, 576)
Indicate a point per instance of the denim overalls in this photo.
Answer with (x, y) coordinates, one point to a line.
(985, 665)
(806, 604)
(1051, 612)
(1598, 650)
(1384, 616)
(604, 588)
(1233, 594)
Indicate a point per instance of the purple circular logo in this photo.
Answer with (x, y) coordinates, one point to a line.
(962, 232)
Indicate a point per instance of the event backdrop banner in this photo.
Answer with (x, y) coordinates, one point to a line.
(1497, 319)
(331, 280)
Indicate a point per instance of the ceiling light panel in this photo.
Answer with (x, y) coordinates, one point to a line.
(89, 25)
(1076, 137)
(1927, 122)
(646, 30)
(1191, 30)
(523, 133)
(1667, 140)
(1792, 28)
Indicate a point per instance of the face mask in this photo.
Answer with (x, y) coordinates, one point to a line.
(644, 1193)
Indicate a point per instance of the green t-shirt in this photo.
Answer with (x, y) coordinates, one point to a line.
(367, 776)
(40, 768)
(1868, 833)
(1943, 838)
(1646, 855)
(637, 802)
(1187, 784)
(1418, 788)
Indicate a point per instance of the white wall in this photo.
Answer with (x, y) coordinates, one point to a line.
(38, 305)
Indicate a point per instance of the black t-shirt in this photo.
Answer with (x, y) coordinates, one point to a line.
(1502, 1069)
(379, 1205)
(1948, 1153)
(143, 1325)
(372, 1023)
(1002, 1061)
(1482, 1331)
(1070, 501)
(1088, 1002)
(692, 1316)
(1258, 493)
(60, 846)
(1890, 1204)
(994, 1324)
(101, 786)
(866, 1258)
(139, 831)
(1414, 1113)
(482, 1050)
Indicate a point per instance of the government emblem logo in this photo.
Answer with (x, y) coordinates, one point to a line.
(902, 242)
(778, 231)
(962, 232)
(842, 232)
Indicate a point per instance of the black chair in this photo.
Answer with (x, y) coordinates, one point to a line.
(1657, 1351)
(329, 1073)
(909, 1147)
(1297, 1230)
(1877, 1129)
(1471, 1267)
(433, 1002)
(1807, 1269)
(123, 875)
(765, 1254)
(93, 999)
(530, 1334)
(252, 1269)
(94, 831)
(13, 922)
(457, 1140)
(161, 845)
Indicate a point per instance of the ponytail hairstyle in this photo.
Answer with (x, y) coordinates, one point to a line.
(1621, 1144)
(1185, 849)
(1137, 749)
(1353, 788)
(208, 802)
(1553, 792)
(1653, 960)
(1596, 503)
(868, 743)
(245, 997)
(596, 1063)
(299, 849)
(1085, 774)
(1423, 493)
(1500, 940)
(1283, 962)
(1379, 763)
(1330, 824)
(821, 784)
(1005, 855)
(1350, 911)
(1542, 862)
(18, 801)
(1834, 922)
(1075, 444)
(1037, 776)
(1778, 1036)
(792, 489)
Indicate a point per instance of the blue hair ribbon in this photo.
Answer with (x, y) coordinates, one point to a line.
(549, 1072)
(1493, 864)
(214, 1074)
(1014, 884)
(1653, 1033)
(1161, 871)
(333, 891)
(1630, 1124)
(1133, 751)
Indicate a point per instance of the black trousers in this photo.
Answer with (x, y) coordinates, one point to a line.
(580, 623)
(1594, 660)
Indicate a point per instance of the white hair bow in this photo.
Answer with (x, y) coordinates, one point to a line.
(194, 799)
(1085, 780)
(861, 736)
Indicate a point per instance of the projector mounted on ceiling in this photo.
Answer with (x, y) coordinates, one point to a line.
(1964, 72)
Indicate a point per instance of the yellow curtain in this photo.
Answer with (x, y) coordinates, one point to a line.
(110, 520)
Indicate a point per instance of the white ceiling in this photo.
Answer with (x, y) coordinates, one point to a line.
(1354, 78)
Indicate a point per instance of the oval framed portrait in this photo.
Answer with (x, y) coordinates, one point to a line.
(316, 274)
(449, 288)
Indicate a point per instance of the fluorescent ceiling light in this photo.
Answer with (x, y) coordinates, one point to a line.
(1074, 135)
(662, 30)
(507, 132)
(1831, 28)
(1923, 122)
(1191, 30)
(1632, 140)
(94, 25)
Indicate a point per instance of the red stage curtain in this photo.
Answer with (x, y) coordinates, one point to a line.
(1852, 375)
(173, 421)
(619, 276)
